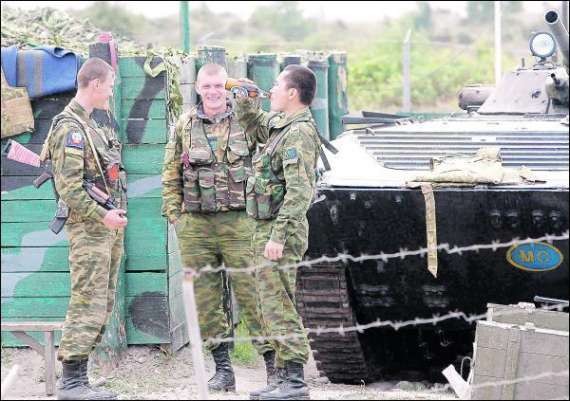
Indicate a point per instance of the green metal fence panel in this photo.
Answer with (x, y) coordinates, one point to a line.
(289, 59)
(320, 105)
(337, 88)
(211, 55)
(263, 69)
(237, 67)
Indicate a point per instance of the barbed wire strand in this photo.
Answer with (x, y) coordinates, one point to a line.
(396, 325)
(385, 257)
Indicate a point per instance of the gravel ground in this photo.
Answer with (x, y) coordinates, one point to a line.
(147, 373)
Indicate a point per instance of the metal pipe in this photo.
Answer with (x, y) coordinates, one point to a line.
(407, 91)
(498, 47)
(560, 33)
(185, 26)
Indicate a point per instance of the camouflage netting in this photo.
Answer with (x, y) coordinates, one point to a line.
(50, 27)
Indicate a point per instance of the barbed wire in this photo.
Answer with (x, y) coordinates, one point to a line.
(360, 328)
(396, 325)
(385, 257)
(524, 379)
(417, 321)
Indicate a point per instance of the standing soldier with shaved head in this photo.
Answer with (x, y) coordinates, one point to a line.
(80, 152)
(278, 197)
(206, 165)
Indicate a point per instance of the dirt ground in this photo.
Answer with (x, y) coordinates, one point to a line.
(147, 373)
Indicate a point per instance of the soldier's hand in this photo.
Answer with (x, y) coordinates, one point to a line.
(115, 219)
(273, 251)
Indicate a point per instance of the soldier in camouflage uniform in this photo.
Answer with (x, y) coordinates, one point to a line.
(278, 197)
(82, 151)
(206, 164)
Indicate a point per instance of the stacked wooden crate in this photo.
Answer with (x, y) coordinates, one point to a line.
(35, 272)
(155, 313)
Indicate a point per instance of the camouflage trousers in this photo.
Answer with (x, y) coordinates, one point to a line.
(276, 291)
(94, 262)
(213, 240)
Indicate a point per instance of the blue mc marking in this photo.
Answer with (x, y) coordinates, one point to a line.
(535, 257)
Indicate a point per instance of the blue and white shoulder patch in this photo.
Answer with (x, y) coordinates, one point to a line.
(290, 157)
(75, 140)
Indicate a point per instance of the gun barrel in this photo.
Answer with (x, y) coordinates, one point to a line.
(560, 33)
(552, 301)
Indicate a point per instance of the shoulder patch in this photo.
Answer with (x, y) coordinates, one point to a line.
(75, 140)
(290, 156)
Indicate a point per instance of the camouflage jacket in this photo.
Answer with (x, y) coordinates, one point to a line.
(73, 162)
(285, 167)
(206, 164)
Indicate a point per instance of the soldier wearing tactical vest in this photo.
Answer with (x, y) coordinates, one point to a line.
(82, 151)
(206, 165)
(278, 197)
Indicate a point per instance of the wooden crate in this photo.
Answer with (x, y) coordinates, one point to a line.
(514, 359)
(35, 272)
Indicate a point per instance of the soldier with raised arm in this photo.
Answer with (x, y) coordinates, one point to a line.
(278, 197)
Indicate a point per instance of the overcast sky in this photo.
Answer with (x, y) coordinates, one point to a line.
(349, 11)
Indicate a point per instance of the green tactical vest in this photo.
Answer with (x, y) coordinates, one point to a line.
(109, 153)
(212, 185)
(265, 190)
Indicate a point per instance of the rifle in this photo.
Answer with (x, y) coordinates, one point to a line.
(16, 152)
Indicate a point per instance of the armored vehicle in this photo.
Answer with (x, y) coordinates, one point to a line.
(365, 222)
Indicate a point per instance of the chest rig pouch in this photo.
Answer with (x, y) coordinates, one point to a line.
(108, 149)
(212, 185)
(265, 190)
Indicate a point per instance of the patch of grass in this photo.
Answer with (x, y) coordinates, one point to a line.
(243, 353)
(6, 355)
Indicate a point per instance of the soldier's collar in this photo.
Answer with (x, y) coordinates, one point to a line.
(79, 110)
(301, 115)
(218, 117)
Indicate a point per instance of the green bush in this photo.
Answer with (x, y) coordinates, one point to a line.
(437, 72)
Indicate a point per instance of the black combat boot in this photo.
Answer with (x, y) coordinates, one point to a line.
(224, 378)
(102, 392)
(74, 384)
(274, 375)
(293, 387)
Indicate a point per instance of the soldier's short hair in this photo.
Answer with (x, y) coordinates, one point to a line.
(94, 68)
(211, 69)
(302, 79)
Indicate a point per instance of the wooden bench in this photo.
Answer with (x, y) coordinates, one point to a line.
(19, 329)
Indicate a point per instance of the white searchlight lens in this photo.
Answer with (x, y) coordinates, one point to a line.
(542, 45)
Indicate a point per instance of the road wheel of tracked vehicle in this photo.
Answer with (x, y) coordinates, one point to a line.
(323, 302)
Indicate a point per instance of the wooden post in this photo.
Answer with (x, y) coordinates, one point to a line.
(50, 362)
(498, 49)
(407, 93)
(191, 315)
(194, 333)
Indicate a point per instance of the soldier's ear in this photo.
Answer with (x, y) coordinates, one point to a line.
(292, 93)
